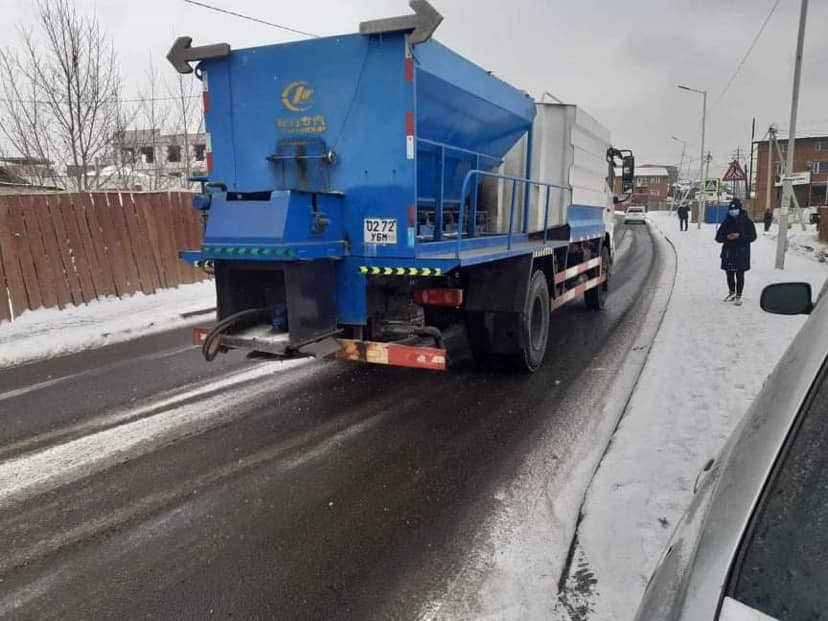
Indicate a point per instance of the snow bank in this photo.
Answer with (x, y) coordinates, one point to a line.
(804, 243)
(49, 332)
(707, 363)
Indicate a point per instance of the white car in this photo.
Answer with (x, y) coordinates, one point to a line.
(753, 544)
(635, 214)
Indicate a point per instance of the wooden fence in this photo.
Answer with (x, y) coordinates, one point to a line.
(67, 248)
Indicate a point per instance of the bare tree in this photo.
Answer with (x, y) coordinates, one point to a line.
(155, 114)
(189, 119)
(69, 74)
(24, 123)
(122, 169)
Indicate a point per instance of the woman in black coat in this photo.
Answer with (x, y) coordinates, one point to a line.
(736, 234)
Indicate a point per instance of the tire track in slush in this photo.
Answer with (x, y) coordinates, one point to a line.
(42, 470)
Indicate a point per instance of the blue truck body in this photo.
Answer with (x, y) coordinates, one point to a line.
(365, 155)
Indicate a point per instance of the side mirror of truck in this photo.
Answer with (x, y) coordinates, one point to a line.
(627, 173)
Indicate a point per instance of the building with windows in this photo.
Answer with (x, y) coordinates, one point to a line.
(161, 160)
(810, 168)
(651, 187)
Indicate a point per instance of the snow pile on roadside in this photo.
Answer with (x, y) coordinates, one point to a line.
(707, 363)
(49, 332)
(805, 243)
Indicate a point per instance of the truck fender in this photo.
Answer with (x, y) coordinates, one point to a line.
(498, 286)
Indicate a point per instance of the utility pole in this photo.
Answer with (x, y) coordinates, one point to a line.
(738, 159)
(701, 161)
(787, 186)
(677, 193)
(794, 199)
(749, 180)
(708, 158)
(771, 141)
(701, 150)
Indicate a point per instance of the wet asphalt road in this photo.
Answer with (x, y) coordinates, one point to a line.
(327, 490)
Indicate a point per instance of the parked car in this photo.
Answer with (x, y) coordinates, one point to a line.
(635, 213)
(753, 544)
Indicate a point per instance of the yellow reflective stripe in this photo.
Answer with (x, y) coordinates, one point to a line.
(400, 271)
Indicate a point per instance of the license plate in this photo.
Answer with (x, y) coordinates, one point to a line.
(380, 231)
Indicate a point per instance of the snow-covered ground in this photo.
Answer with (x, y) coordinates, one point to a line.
(45, 333)
(707, 363)
(804, 243)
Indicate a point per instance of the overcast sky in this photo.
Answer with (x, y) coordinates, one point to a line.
(621, 60)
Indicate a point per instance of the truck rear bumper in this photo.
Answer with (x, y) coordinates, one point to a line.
(261, 339)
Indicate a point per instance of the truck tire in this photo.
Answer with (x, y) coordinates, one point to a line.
(512, 341)
(534, 325)
(596, 297)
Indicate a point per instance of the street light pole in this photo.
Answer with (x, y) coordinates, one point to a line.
(677, 193)
(787, 185)
(683, 150)
(701, 150)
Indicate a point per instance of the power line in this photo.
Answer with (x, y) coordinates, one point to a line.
(45, 102)
(747, 53)
(252, 19)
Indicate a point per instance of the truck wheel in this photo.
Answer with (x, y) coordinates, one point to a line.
(512, 341)
(596, 297)
(534, 325)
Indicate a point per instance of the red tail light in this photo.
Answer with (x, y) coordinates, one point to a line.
(438, 297)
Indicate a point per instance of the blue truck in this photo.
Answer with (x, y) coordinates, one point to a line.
(365, 192)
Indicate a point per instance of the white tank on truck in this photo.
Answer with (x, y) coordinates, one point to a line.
(569, 148)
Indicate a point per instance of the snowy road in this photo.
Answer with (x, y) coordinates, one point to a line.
(137, 480)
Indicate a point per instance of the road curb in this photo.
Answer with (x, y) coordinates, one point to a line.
(520, 550)
(620, 393)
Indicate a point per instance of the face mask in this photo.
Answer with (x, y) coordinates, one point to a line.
(733, 212)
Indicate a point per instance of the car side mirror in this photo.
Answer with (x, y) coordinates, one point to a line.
(627, 173)
(787, 298)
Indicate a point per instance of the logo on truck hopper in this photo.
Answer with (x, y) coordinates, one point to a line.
(297, 96)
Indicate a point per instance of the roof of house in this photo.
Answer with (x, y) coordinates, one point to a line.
(647, 171)
(801, 134)
(6, 176)
(131, 138)
(25, 161)
(651, 171)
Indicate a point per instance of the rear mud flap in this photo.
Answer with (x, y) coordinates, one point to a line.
(311, 300)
